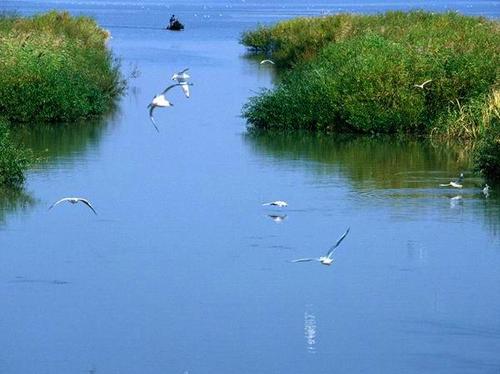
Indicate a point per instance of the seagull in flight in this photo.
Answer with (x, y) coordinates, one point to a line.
(421, 86)
(74, 200)
(457, 183)
(182, 78)
(267, 62)
(161, 101)
(328, 259)
(278, 203)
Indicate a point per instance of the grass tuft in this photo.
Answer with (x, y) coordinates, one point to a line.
(55, 68)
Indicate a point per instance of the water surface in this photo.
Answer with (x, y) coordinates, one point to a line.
(183, 270)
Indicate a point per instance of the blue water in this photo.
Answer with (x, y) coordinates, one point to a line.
(183, 270)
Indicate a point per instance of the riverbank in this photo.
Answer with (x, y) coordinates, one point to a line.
(358, 73)
(55, 68)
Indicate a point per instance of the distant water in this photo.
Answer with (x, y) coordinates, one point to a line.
(183, 270)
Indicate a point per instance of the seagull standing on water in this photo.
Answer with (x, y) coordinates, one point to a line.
(328, 259)
(278, 203)
(486, 191)
(182, 78)
(74, 200)
(457, 183)
(421, 86)
(162, 102)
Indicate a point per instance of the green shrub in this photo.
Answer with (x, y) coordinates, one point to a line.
(13, 160)
(358, 73)
(487, 153)
(55, 68)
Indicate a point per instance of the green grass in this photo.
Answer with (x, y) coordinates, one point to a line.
(487, 154)
(356, 73)
(55, 68)
(13, 160)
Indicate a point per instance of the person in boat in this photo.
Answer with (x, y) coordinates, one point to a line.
(172, 20)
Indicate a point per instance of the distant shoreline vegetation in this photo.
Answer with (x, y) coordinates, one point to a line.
(357, 73)
(54, 68)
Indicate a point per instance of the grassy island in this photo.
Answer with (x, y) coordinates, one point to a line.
(357, 73)
(54, 68)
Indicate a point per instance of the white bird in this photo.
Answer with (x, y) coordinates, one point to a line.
(278, 203)
(328, 259)
(278, 218)
(74, 200)
(486, 191)
(267, 62)
(161, 101)
(182, 78)
(457, 183)
(421, 86)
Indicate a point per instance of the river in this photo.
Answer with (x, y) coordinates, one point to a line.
(184, 271)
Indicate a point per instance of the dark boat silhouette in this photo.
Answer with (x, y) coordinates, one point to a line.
(175, 26)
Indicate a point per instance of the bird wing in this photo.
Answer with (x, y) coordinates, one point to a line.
(427, 81)
(266, 204)
(445, 185)
(169, 88)
(151, 108)
(305, 260)
(185, 88)
(86, 202)
(60, 201)
(334, 247)
(183, 71)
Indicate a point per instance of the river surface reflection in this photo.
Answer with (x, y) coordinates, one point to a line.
(184, 270)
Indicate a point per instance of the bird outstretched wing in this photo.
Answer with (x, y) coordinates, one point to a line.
(151, 108)
(86, 202)
(169, 88)
(59, 201)
(174, 85)
(183, 71)
(305, 260)
(185, 89)
(334, 247)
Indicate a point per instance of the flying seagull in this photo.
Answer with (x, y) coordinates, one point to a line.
(182, 78)
(161, 101)
(74, 200)
(267, 62)
(421, 86)
(457, 183)
(278, 203)
(328, 259)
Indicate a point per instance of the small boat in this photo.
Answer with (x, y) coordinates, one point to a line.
(175, 26)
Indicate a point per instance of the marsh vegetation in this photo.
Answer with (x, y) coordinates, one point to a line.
(55, 68)
(357, 73)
